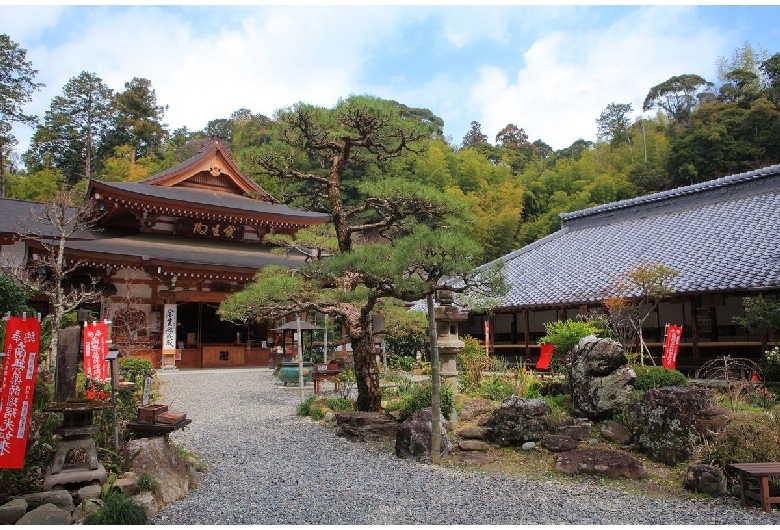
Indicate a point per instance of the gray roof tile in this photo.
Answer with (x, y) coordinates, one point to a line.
(720, 235)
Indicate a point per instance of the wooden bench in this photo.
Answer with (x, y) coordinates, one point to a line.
(322, 373)
(761, 471)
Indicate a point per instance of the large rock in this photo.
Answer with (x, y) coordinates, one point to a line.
(46, 514)
(12, 511)
(518, 420)
(59, 498)
(155, 456)
(414, 437)
(615, 432)
(558, 443)
(366, 426)
(668, 423)
(705, 479)
(577, 428)
(600, 462)
(599, 377)
(473, 408)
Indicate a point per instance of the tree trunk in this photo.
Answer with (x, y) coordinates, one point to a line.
(366, 372)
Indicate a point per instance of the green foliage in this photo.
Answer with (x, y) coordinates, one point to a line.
(648, 377)
(560, 405)
(340, 403)
(472, 360)
(118, 510)
(747, 437)
(304, 409)
(135, 369)
(347, 380)
(762, 315)
(405, 363)
(495, 389)
(564, 335)
(147, 482)
(417, 396)
(770, 365)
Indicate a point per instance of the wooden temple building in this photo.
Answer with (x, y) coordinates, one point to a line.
(168, 250)
(721, 236)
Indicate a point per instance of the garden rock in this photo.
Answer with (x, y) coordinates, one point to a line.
(577, 428)
(527, 446)
(127, 485)
(472, 433)
(46, 514)
(518, 420)
(600, 462)
(156, 457)
(473, 445)
(148, 502)
(668, 423)
(614, 432)
(413, 439)
(705, 479)
(59, 498)
(84, 509)
(366, 426)
(12, 511)
(93, 491)
(601, 381)
(474, 408)
(558, 443)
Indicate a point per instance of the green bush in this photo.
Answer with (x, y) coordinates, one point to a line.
(405, 363)
(495, 389)
(564, 335)
(118, 509)
(472, 361)
(747, 437)
(340, 403)
(419, 396)
(304, 409)
(134, 369)
(648, 377)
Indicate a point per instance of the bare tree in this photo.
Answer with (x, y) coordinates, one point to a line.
(131, 330)
(47, 231)
(636, 295)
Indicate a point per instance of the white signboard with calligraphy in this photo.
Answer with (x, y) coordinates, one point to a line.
(169, 329)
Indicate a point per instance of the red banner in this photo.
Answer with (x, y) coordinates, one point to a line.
(20, 369)
(96, 350)
(671, 345)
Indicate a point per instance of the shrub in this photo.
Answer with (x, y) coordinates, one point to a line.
(340, 403)
(472, 361)
(565, 335)
(118, 509)
(648, 377)
(770, 365)
(495, 389)
(418, 396)
(304, 409)
(747, 437)
(135, 369)
(405, 363)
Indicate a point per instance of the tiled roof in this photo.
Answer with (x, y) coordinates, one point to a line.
(226, 201)
(720, 236)
(179, 250)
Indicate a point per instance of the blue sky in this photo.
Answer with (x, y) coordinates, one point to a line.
(548, 69)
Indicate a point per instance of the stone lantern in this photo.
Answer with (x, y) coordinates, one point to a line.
(447, 317)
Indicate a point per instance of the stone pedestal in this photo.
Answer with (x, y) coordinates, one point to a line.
(76, 431)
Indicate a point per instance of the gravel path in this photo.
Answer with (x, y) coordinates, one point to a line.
(268, 466)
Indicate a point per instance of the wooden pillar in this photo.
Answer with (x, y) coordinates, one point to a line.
(694, 328)
(527, 336)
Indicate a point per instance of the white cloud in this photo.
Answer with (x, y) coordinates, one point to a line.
(569, 78)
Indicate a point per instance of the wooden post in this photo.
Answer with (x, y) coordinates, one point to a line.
(435, 385)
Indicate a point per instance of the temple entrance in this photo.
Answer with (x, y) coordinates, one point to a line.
(205, 341)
